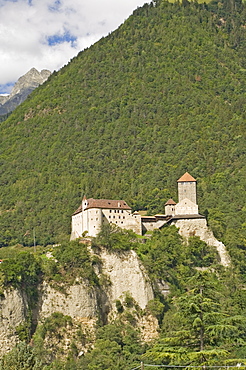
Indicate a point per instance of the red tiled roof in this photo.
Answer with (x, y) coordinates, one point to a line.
(104, 204)
(170, 202)
(186, 178)
(107, 203)
(78, 210)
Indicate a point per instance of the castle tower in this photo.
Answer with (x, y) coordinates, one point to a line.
(187, 188)
(170, 207)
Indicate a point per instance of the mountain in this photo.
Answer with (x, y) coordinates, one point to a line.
(22, 88)
(162, 95)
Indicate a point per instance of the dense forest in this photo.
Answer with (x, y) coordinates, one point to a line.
(162, 95)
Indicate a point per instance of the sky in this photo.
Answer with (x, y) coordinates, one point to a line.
(46, 34)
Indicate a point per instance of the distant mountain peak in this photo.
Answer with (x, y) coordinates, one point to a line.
(32, 78)
(22, 88)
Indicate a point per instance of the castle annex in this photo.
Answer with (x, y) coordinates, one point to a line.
(93, 213)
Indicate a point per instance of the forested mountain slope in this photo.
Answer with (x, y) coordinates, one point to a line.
(163, 94)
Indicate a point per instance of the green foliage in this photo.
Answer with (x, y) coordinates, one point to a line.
(117, 347)
(119, 306)
(197, 330)
(23, 271)
(200, 254)
(156, 308)
(25, 329)
(70, 260)
(115, 239)
(168, 257)
(20, 358)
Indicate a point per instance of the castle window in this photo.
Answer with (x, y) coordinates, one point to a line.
(96, 219)
(122, 222)
(119, 216)
(115, 211)
(123, 216)
(122, 211)
(113, 216)
(109, 216)
(110, 210)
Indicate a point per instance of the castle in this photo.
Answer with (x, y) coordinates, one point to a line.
(93, 213)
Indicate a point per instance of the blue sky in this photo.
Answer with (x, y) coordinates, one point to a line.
(46, 34)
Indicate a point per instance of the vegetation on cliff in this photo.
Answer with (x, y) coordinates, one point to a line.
(202, 320)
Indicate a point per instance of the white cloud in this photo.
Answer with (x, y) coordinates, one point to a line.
(27, 25)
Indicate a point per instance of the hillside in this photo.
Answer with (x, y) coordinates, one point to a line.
(163, 94)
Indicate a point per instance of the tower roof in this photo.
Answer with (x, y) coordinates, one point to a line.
(170, 202)
(186, 178)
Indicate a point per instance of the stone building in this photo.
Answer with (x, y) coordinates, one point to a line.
(185, 209)
(93, 213)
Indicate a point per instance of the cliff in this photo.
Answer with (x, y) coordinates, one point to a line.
(199, 227)
(84, 304)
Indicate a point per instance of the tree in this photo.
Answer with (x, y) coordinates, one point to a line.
(197, 330)
(21, 357)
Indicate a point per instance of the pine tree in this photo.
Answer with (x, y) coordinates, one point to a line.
(197, 330)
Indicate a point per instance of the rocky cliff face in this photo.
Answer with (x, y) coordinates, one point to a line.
(198, 227)
(23, 87)
(14, 310)
(123, 274)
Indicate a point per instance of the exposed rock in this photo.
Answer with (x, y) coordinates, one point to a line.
(149, 328)
(22, 88)
(127, 275)
(84, 304)
(13, 312)
(198, 227)
(80, 301)
(75, 332)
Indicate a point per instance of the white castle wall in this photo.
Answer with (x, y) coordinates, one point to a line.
(92, 219)
(186, 207)
(77, 226)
